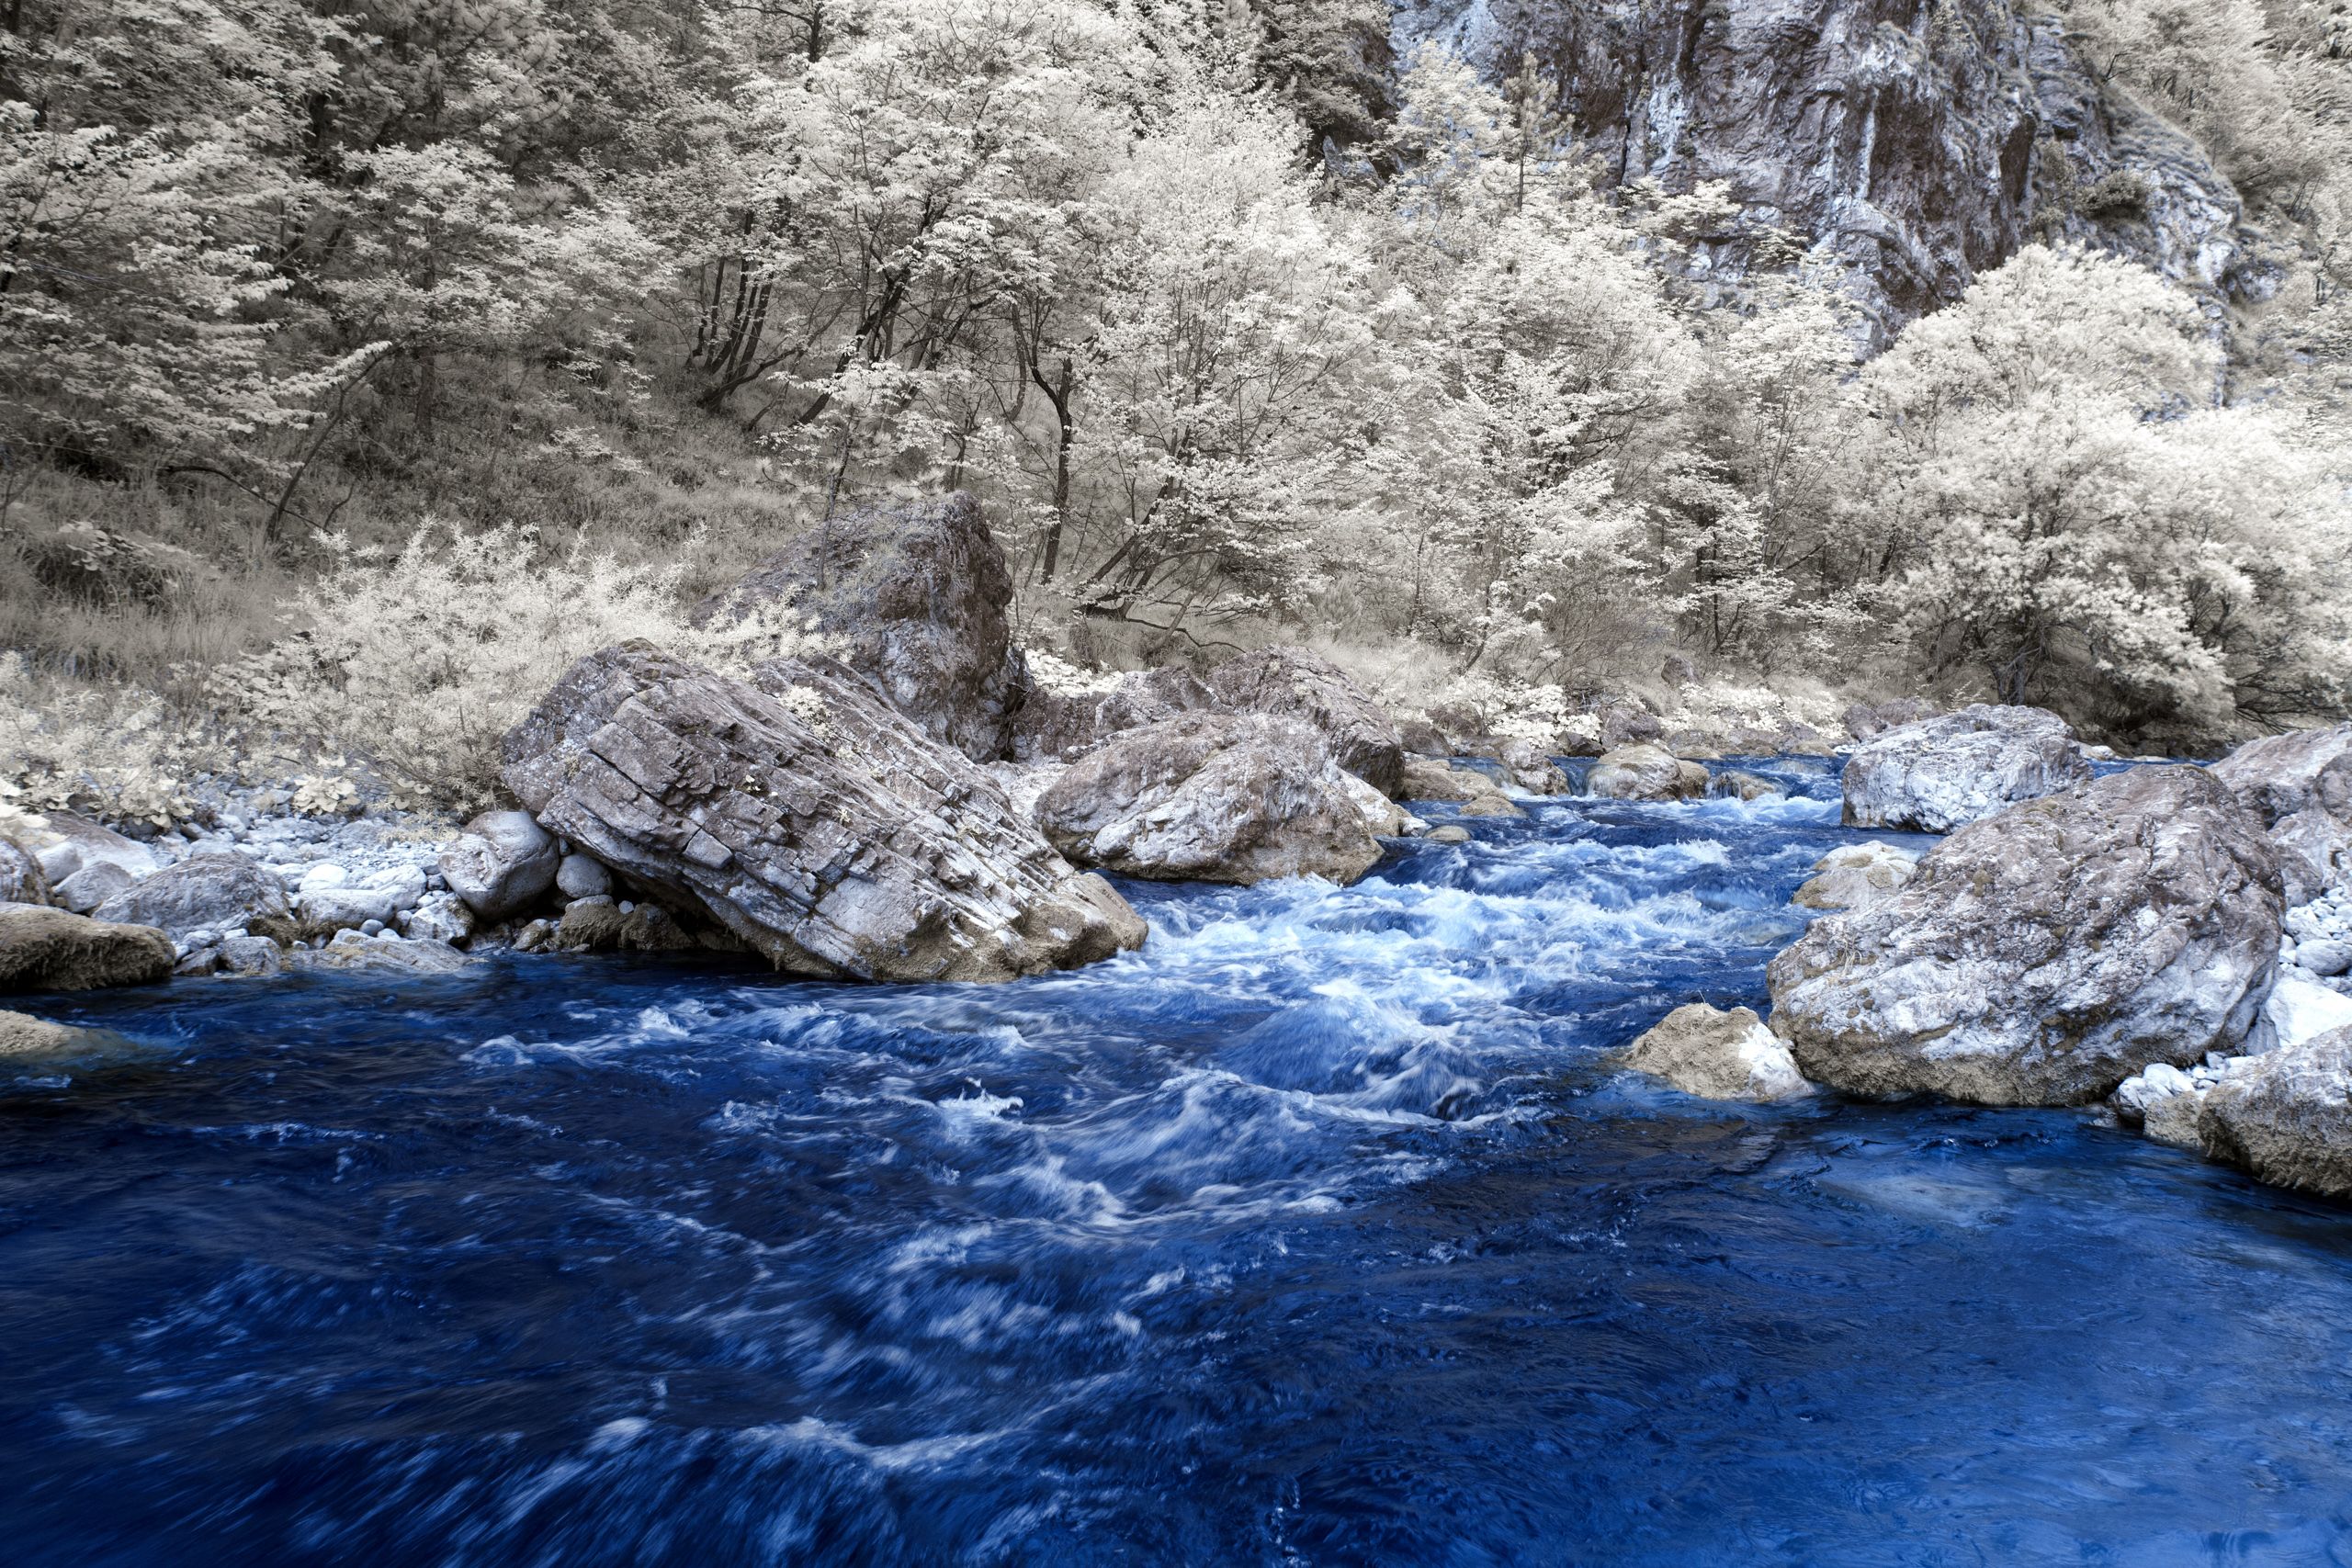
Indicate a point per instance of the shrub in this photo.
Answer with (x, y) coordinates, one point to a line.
(116, 752)
(418, 663)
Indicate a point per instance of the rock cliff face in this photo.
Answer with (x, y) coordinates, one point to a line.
(1909, 144)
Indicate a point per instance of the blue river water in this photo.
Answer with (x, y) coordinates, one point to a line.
(1320, 1231)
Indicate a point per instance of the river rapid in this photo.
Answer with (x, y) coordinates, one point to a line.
(1318, 1231)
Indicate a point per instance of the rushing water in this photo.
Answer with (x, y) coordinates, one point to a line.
(1320, 1231)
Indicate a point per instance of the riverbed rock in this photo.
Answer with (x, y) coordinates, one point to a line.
(1525, 765)
(1852, 875)
(1420, 737)
(1737, 783)
(22, 881)
(439, 915)
(583, 876)
(385, 954)
(25, 1040)
(911, 596)
(2285, 1118)
(84, 889)
(1211, 797)
(217, 891)
(251, 955)
(1473, 793)
(343, 906)
(2301, 769)
(1942, 772)
(45, 949)
(598, 924)
(2295, 1012)
(1291, 682)
(1715, 1055)
(1867, 721)
(1055, 725)
(810, 818)
(2041, 956)
(501, 865)
(66, 843)
(1643, 771)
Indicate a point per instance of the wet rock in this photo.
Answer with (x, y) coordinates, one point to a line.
(1735, 783)
(1473, 791)
(205, 892)
(1940, 774)
(2043, 956)
(1054, 725)
(1525, 765)
(1646, 773)
(24, 1039)
(809, 818)
(583, 876)
(1449, 834)
(1853, 875)
(501, 865)
(1291, 682)
(2285, 1118)
(912, 596)
(1211, 797)
(1715, 1055)
(386, 954)
(596, 924)
(252, 955)
(45, 949)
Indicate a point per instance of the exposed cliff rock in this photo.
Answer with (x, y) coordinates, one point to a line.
(1907, 145)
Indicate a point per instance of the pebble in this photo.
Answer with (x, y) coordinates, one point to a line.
(371, 927)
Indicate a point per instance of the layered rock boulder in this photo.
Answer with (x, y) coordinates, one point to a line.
(2043, 956)
(913, 596)
(215, 892)
(1642, 771)
(1291, 682)
(807, 816)
(1212, 797)
(2285, 1118)
(42, 949)
(1716, 1055)
(1942, 772)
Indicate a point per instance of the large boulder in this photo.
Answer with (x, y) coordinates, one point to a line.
(1643, 771)
(1056, 724)
(2285, 1118)
(1293, 683)
(347, 907)
(501, 864)
(1525, 763)
(2300, 783)
(911, 596)
(216, 892)
(1715, 1055)
(1867, 721)
(810, 819)
(1467, 789)
(2043, 956)
(1942, 772)
(42, 949)
(1211, 797)
(67, 842)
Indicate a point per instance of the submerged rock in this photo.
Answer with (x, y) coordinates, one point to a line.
(26, 1040)
(1471, 791)
(501, 865)
(598, 924)
(1715, 1055)
(1737, 783)
(44, 948)
(1942, 774)
(809, 818)
(1852, 875)
(389, 953)
(2044, 955)
(1212, 797)
(1642, 771)
(1291, 682)
(2285, 1118)
(912, 596)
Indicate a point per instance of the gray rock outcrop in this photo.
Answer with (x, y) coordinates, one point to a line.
(43, 949)
(1943, 773)
(807, 816)
(1291, 682)
(1467, 789)
(1054, 725)
(2043, 956)
(1716, 1055)
(1211, 797)
(912, 596)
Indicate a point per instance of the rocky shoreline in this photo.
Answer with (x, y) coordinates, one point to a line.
(2169, 942)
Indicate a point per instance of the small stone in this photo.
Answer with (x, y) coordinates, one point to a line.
(1450, 834)
(371, 927)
